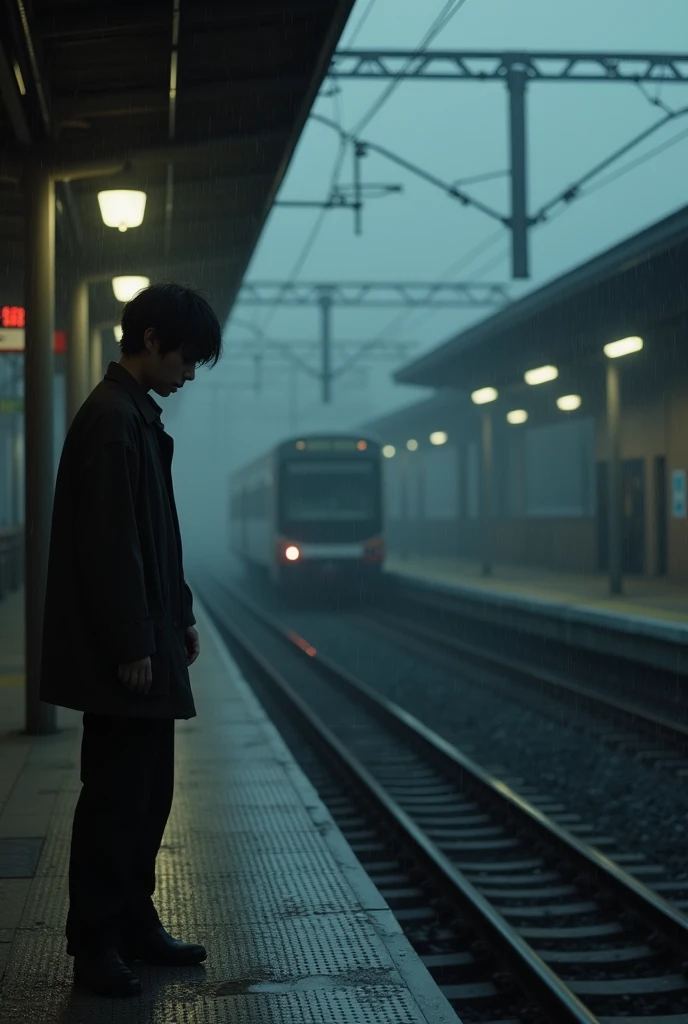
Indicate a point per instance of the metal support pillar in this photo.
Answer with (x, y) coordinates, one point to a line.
(485, 492)
(614, 505)
(39, 286)
(16, 451)
(326, 346)
(404, 504)
(77, 352)
(96, 361)
(16, 455)
(293, 395)
(516, 82)
(359, 152)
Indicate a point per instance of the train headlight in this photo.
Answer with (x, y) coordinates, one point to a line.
(292, 553)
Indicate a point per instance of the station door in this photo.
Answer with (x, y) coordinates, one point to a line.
(633, 522)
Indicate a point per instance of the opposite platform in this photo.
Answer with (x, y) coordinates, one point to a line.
(252, 865)
(648, 623)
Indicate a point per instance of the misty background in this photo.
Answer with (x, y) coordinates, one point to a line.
(455, 130)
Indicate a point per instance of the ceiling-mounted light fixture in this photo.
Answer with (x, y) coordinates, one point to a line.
(541, 374)
(623, 347)
(125, 288)
(483, 395)
(567, 403)
(122, 208)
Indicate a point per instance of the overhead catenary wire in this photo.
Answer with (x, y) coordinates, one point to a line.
(404, 316)
(667, 144)
(361, 22)
(448, 11)
(582, 193)
(450, 8)
(320, 218)
(450, 189)
(574, 190)
(581, 188)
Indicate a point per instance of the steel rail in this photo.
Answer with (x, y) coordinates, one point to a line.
(655, 911)
(531, 971)
(559, 685)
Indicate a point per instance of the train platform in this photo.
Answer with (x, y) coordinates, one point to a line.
(252, 865)
(648, 622)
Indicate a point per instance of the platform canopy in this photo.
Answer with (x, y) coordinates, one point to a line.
(638, 287)
(200, 103)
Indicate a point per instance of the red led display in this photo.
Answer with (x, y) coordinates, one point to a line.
(12, 316)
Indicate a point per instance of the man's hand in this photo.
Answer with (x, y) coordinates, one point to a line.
(136, 676)
(192, 644)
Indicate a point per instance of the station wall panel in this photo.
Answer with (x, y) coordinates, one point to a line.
(560, 469)
(441, 494)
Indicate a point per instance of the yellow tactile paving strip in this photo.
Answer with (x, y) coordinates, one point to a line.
(11, 680)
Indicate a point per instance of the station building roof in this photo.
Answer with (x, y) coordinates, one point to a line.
(638, 287)
(198, 102)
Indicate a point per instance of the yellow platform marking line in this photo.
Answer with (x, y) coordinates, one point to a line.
(12, 680)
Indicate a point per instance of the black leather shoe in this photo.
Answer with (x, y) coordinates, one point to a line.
(157, 947)
(106, 975)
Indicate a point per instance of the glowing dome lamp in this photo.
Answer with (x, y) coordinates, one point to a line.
(126, 288)
(122, 208)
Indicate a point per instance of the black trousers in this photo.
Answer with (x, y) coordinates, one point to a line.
(127, 775)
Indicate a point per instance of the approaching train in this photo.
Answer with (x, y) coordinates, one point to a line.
(311, 510)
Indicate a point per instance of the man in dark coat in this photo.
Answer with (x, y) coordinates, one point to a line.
(119, 635)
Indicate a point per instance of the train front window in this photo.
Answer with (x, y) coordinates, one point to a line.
(337, 491)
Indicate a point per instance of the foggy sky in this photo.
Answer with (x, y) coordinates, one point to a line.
(454, 130)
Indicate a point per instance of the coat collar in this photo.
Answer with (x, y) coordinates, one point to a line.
(149, 409)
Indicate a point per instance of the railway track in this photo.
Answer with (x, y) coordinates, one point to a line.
(651, 736)
(656, 689)
(580, 938)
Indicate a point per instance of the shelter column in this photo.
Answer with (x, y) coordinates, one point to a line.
(615, 510)
(404, 504)
(485, 488)
(39, 285)
(17, 443)
(516, 82)
(77, 352)
(96, 362)
(326, 346)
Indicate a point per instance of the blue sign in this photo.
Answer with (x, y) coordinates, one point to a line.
(678, 493)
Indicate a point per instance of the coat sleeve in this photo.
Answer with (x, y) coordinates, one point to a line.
(110, 566)
(189, 619)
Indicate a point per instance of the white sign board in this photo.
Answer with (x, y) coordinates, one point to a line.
(11, 339)
(678, 493)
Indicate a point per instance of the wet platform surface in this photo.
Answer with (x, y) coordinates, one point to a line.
(252, 865)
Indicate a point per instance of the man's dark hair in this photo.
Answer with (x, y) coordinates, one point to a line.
(182, 319)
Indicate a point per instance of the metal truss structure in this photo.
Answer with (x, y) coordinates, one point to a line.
(516, 70)
(495, 65)
(324, 295)
(373, 294)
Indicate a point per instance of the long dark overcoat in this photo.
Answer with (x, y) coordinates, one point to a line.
(115, 588)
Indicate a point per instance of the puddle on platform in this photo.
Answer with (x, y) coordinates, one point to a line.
(285, 986)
